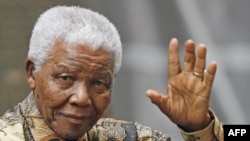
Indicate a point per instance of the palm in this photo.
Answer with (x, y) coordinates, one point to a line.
(187, 99)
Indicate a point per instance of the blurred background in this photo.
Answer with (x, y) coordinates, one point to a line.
(145, 26)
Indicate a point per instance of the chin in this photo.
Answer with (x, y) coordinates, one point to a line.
(69, 135)
(67, 132)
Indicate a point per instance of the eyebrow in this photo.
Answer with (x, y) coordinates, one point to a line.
(95, 70)
(65, 68)
(102, 69)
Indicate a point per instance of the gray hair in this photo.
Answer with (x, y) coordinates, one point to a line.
(73, 25)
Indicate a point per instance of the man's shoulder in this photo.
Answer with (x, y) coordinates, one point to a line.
(10, 117)
(11, 126)
(10, 132)
(125, 130)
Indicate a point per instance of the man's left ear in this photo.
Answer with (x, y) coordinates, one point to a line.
(30, 70)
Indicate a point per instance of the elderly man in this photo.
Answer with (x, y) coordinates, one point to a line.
(73, 59)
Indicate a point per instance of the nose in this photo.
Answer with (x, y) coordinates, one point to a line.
(80, 97)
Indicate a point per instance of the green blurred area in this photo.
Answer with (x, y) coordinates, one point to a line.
(16, 24)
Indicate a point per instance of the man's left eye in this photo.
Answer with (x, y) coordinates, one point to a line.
(100, 86)
(98, 82)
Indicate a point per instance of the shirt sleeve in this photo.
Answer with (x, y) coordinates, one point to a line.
(214, 131)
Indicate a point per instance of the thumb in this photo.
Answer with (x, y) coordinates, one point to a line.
(163, 102)
(155, 97)
(158, 98)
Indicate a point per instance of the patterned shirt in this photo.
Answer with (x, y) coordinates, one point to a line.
(25, 123)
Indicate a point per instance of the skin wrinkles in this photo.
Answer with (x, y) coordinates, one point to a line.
(72, 88)
(94, 71)
(89, 58)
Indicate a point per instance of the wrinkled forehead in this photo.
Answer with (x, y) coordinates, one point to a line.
(80, 49)
(82, 55)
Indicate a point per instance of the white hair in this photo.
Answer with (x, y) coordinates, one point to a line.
(73, 25)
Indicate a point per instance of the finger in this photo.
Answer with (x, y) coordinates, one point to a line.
(154, 96)
(158, 99)
(210, 74)
(200, 62)
(189, 58)
(173, 58)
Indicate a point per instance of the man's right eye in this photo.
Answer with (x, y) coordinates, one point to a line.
(66, 78)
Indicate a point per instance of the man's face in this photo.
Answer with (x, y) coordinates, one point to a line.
(73, 88)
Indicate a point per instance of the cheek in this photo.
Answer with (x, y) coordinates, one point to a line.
(49, 91)
(44, 95)
(48, 98)
(102, 102)
(48, 102)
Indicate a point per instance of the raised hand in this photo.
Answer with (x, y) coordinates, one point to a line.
(189, 88)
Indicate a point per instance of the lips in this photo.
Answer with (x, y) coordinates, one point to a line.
(76, 119)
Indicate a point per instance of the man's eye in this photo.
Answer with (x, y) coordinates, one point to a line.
(66, 78)
(97, 82)
(65, 81)
(100, 86)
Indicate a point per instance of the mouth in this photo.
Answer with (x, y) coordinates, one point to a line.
(77, 119)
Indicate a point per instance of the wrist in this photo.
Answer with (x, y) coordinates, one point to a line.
(192, 127)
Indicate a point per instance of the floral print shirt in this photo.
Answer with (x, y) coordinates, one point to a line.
(25, 123)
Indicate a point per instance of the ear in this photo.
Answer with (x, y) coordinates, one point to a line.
(30, 70)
